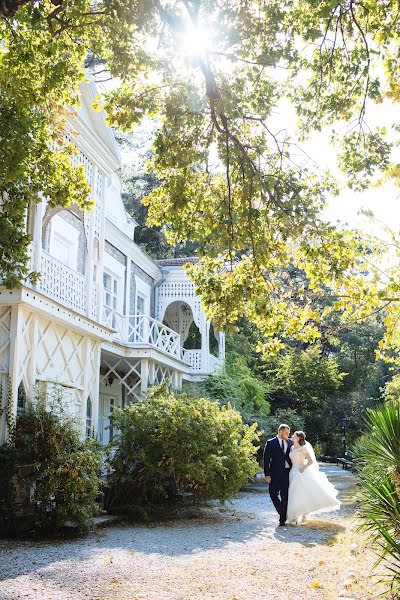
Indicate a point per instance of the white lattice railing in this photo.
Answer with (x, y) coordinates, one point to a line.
(142, 329)
(62, 283)
(193, 358)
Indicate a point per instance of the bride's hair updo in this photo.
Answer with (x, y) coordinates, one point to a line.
(302, 437)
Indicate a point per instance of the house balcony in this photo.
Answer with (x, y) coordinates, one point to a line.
(65, 285)
(73, 290)
(140, 329)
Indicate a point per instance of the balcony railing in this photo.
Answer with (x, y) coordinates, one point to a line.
(193, 358)
(62, 283)
(142, 329)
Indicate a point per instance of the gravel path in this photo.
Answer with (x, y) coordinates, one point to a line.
(235, 552)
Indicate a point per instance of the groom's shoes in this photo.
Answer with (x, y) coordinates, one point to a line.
(282, 523)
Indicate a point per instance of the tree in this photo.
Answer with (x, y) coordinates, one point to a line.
(236, 384)
(229, 181)
(310, 384)
(138, 183)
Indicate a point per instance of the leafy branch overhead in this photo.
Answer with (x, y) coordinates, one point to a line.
(232, 180)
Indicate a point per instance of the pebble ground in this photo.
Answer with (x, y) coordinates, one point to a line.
(233, 552)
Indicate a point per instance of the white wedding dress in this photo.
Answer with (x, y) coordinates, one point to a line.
(310, 492)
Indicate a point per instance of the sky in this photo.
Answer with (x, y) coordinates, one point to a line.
(383, 201)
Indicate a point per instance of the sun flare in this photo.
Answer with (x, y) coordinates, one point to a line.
(196, 41)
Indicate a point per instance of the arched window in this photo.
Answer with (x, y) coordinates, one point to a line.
(193, 340)
(64, 239)
(88, 417)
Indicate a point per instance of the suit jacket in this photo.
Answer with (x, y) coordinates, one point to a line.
(274, 459)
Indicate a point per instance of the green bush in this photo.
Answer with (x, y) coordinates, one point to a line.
(173, 446)
(238, 385)
(378, 454)
(51, 474)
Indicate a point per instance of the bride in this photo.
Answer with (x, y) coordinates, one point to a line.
(310, 492)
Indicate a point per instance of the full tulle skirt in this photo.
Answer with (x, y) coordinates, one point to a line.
(310, 492)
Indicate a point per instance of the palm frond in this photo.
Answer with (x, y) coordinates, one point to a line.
(378, 455)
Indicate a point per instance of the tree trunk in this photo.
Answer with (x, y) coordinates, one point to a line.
(8, 8)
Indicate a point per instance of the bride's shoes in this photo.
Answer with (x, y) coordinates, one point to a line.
(301, 521)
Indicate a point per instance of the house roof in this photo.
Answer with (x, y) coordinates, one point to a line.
(176, 262)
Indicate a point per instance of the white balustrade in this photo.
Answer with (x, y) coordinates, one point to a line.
(193, 358)
(142, 329)
(62, 283)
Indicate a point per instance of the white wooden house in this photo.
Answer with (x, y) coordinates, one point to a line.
(105, 321)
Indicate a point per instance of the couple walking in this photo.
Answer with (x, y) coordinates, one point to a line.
(296, 485)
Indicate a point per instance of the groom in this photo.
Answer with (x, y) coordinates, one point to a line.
(277, 465)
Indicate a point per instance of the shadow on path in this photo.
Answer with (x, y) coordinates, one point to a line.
(249, 516)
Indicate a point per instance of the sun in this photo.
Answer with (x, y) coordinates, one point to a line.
(196, 41)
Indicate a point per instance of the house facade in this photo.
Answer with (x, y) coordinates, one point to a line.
(105, 321)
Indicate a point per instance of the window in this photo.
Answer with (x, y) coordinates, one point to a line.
(140, 310)
(140, 304)
(110, 298)
(61, 250)
(111, 428)
(66, 240)
(21, 399)
(89, 417)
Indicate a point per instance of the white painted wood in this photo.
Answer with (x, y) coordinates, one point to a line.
(145, 375)
(16, 325)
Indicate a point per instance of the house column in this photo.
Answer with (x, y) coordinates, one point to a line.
(31, 375)
(86, 385)
(3, 400)
(144, 379)
(205, 344)
(222, 345)
(100, 261)
(15, 358)
(177, 380)
(89, 267)
(96, 388)
(127, 307)
(152, 372)
(37, 235)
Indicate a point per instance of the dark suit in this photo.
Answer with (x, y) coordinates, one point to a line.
(274, 466)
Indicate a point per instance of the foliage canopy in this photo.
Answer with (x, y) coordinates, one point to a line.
(230, 181)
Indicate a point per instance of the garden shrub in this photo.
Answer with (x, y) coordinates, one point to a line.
(52, 474)
(173, 446)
